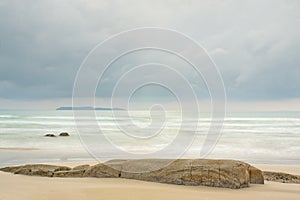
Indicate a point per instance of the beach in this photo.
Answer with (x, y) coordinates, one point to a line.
(253, 138)
(31, 187)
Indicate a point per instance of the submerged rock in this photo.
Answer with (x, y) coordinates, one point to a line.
(64, 134)
(50, 135)
(215, 173)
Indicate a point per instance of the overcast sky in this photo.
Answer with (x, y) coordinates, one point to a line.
(255, 43)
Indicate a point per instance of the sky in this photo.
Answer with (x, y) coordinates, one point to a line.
(255, 45)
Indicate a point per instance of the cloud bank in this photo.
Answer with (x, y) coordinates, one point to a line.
(254, 43)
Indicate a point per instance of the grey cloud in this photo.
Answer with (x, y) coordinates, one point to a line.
(254, 43)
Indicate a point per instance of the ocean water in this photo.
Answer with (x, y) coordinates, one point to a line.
(256, 137)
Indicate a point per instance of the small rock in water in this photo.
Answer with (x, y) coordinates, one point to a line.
(50, 135)
(64, 134)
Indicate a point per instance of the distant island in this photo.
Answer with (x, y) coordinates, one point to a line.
(87, 108)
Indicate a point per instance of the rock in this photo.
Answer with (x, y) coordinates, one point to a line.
(256, 176)
(81, 167)
(64, 134)
(102, 171)
(35, 170)
(215, 173)
(230, 174)
(50, 135)
(77, 171)
(281, 177)
(70, 173)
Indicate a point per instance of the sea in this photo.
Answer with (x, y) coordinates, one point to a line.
(253, 137)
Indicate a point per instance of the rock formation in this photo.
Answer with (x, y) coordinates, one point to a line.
(216, 173)
(281, 177)
(64, 134)
(50, 135)
(36, 170)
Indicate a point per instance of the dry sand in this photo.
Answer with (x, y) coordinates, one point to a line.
(39, 188)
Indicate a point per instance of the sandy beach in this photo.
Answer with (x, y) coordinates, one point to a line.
(28, 187)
